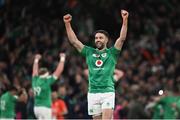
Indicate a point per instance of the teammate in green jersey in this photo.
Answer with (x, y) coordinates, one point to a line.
(101, 64)
(41, 83)
(8, 101)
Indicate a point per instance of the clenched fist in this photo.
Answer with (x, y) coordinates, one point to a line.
(67, 18)
(38, 56)
(124, 14)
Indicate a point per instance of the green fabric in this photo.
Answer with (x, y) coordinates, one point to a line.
(42, 90)
(158, 112)
(164, 108)
(101, 65)
(7, 105)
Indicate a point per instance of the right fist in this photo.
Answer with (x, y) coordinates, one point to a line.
(38, 56)
(67, 18)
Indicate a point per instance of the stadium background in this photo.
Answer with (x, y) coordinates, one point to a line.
(150, 57)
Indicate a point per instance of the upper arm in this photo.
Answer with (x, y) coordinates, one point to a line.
(78, 45)
(35, 69)
(34, 73)
(73, 38)
(119, 43)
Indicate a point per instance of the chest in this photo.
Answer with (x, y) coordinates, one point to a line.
(99, 59)
(40, 84)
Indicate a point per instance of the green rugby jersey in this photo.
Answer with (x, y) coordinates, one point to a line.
(178, 106)
(7, 106)
(101, 65)
(169, 112)
(42, 90)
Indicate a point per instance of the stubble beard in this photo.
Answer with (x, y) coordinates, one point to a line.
(99, 45)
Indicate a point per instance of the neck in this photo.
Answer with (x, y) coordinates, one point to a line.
(102, 49)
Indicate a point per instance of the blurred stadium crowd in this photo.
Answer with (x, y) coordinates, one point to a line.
(150, 57)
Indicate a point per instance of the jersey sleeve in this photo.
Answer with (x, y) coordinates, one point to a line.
(85, 50)
(115, 52)
(51, 79)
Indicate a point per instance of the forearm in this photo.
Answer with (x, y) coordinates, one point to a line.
(73, 38)
(59, 68)
(123, 31)
(122, 36)
(35, 67)
(70, 33)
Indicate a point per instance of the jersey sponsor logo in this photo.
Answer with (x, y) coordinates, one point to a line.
(99, 63)
(98, 68)
(95, 55)
(104, 55)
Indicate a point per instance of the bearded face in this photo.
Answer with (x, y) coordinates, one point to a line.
(99, 45)
(100, 40)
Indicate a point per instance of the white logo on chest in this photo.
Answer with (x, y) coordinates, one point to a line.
(104, 55)
(95, 55)
(99, 63)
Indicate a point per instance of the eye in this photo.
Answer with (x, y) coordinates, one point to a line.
(100, 37)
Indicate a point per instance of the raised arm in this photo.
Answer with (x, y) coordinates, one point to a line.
(60, 66)
(119, 42)
(70, 33)
(35, 65)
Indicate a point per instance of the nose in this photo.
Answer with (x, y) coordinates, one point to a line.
(98, 39)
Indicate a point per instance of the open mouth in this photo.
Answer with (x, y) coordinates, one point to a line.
(98, 42)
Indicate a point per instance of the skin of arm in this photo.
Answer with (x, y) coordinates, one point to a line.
(57, 73)
(35, 65)
(70, 33)
(119, 42)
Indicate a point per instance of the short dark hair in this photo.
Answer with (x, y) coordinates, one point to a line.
(43, 71)
(103, 32)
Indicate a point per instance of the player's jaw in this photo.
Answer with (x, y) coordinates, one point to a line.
(100, 45)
